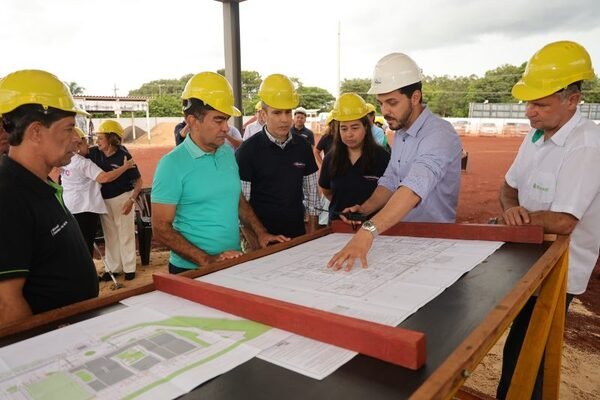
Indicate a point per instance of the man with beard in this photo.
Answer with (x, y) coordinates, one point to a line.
(422, 180)
(44, 260)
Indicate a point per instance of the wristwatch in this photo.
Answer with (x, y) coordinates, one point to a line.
(370, 227)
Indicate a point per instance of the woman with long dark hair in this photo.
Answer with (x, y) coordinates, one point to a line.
(355, 162)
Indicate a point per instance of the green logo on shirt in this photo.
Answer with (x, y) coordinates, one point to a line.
(540, 187)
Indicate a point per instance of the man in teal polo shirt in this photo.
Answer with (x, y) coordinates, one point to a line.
(196, 193)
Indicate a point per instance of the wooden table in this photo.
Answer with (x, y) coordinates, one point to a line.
(461, 325)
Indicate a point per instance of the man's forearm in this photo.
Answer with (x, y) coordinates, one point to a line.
(180, 245)
(509, 197)
(378, 199)
(249, 218)
(13, 306)
(553, 222)
(401, 203)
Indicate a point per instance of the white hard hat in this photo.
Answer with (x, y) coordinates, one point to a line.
(394, 71)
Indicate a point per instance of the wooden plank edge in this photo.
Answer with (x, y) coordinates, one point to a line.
(451, 374)
(501, 233)
(395, 345)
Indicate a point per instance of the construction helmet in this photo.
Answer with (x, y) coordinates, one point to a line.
(258, 105)
(394, 71)
(35, 87)
(553, 68)
(79, 132)
(110, 126)
(380, 120)
(278, 91)
(349, 107)
(213, 89)
(330, 118)
(371, 108)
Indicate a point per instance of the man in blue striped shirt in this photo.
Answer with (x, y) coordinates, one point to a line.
(422, 180)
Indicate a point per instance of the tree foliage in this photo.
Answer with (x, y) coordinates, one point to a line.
(445, 95)
(359, 86)
(75, 89)
(165, 106)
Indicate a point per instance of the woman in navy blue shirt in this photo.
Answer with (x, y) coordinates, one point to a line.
(119, 197)
(355, 162)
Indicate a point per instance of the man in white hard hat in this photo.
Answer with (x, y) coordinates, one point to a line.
(422, 180)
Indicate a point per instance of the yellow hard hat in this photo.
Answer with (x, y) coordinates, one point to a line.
(79, 132)
(371, 108)
(379, 119)
(35, 87)
(213, 89)
(350, 107)
(258, 105)
(278, 91)
(330, 118)
(552, 68)
(110, 126)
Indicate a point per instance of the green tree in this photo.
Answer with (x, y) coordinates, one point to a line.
(496, 84)
(446, 96)
(75, 89)
(162, 87)
(313, 97)
(360, 86)
(165, 106)
(591, 91)
(251, 81)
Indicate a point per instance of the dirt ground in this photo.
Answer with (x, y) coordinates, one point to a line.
(489, 159)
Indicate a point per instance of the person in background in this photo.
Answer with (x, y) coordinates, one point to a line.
(355, 163)
(553, 181)
(234, 138)
(81, 180)
(44, 261)
(118, 224)
(196, 194)
(422, 180)
(278, 168)
(299, 128)
(326, 141)
(180, 132)
(256, 126)
(378, 133)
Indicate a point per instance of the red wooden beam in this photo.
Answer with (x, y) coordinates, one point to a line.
(395, 345)
(501, 233)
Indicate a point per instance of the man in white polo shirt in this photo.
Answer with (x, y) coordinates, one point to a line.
(554, 180)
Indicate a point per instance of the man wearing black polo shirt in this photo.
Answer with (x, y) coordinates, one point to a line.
(277, 168)
(299, 128)
(44, 261)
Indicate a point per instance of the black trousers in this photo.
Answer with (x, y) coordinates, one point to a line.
(512, 348)
(88, 223)
(176, 270)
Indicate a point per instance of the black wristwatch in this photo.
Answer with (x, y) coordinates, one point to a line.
(370, 227)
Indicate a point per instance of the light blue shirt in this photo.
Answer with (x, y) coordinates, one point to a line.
(426, 159)
(378, 134)
(205, 188)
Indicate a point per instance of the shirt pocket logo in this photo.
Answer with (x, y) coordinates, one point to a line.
(543, 187)
(299, 164)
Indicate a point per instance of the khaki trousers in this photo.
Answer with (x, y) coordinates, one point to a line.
(119, 234)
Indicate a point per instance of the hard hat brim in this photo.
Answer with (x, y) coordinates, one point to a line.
(521, 91)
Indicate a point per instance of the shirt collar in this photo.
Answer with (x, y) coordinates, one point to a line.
(277, 142)
(560, 137)
(418, 124)
(193, 149)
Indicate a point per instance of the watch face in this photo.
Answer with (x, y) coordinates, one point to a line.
(369, 226)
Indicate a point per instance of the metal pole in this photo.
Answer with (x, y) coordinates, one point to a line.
(339, 33)
(233, 64)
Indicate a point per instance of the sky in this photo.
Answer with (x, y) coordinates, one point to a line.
(101, 44)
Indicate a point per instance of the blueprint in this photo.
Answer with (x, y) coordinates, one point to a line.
(133, 353)
(404, 274)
